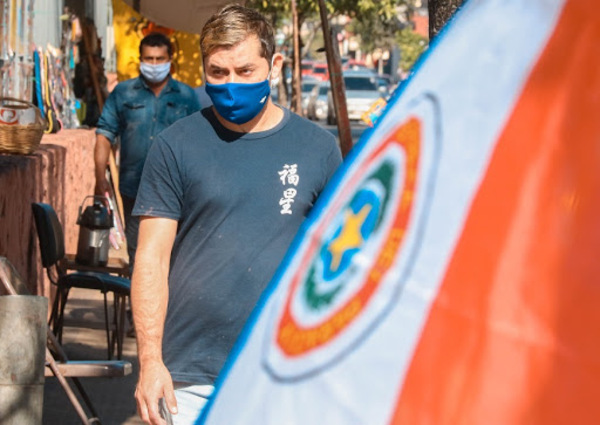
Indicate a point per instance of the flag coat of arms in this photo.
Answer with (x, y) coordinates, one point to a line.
(450, 273)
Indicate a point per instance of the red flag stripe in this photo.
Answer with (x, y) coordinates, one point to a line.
(513, 334)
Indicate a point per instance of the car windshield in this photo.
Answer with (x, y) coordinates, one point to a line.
(307, 87)
(323, 90)
(306, 66)
(320, 70)
(360, 83)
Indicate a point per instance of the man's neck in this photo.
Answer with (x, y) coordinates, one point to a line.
(156, 88)
(268, 118)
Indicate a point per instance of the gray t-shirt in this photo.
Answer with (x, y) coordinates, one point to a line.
(239, 199)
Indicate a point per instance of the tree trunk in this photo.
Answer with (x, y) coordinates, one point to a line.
(440, 11)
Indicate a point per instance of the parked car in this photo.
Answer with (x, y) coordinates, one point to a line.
(317, 102)
(361, 93)
(308, 83)
(275, 96)
(306, 67)
(355, 65)
(320, 71)
(384, 81)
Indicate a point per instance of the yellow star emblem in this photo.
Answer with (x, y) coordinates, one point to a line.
(350, 237)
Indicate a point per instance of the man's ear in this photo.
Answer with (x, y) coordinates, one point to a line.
(277, 65)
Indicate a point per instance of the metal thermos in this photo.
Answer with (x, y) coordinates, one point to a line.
(94, 223)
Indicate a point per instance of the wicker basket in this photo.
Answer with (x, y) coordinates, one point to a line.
(20, 138)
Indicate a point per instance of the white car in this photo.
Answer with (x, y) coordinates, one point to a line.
(361, 93)
(308, 84)
(317, 102)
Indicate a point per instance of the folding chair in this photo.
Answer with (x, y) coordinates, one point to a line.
(57, 363)
(52, 248)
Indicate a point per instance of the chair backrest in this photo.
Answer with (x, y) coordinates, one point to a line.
(50, 234)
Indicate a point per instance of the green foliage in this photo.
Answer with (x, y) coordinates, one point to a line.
(376, 22)
(316, 43)
(278, 10)
(366, 10)
(308, 9)
(375, 31)
(411, 46)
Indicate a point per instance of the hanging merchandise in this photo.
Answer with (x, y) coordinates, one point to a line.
(69, 58)
(37, 73)
(54, 124)
(53, 90)
(62, 98)
(16, 36)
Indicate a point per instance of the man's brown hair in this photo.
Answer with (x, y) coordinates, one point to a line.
(232, 25)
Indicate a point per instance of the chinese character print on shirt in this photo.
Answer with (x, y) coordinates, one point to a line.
(289, 177)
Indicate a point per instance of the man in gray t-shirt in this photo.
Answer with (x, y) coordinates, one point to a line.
(223, 194)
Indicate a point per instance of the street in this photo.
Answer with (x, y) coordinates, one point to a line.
(357, 129)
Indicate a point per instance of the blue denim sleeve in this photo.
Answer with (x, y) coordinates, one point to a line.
(193, 102)
(108, 124)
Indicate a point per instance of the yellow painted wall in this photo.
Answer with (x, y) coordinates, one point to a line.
(130, 27)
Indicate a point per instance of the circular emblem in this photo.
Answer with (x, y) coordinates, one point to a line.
(342, 277)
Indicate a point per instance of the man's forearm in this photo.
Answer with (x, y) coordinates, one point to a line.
(101, 154)
(149, 288)
(149, 298)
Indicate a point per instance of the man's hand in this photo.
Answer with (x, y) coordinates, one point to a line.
(154, 383)
(102, 187)
(101, 154)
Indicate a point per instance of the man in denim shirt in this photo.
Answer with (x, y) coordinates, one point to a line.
(136, 111)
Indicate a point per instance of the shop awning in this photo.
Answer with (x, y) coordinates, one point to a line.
(182, 15)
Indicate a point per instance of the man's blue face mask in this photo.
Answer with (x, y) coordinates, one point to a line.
(239, 102)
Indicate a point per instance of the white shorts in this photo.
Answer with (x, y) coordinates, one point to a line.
(191, 399)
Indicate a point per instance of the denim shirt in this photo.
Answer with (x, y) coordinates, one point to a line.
(134, 113)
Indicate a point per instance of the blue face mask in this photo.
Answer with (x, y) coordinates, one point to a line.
(239, 102)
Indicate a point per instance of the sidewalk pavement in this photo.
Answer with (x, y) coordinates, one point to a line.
(112, 397)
